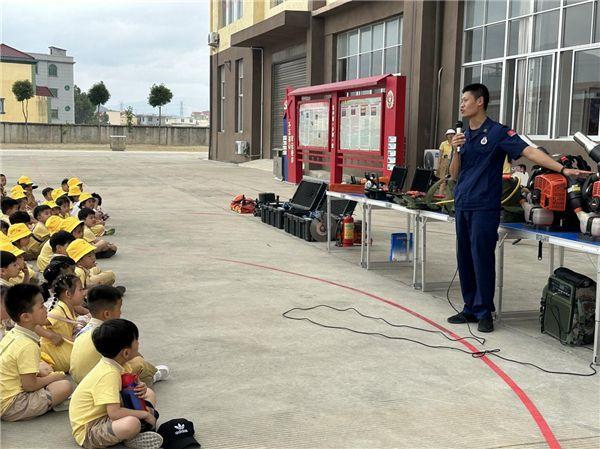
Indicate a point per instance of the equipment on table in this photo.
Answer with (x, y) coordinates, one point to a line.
(567, 307)
(375, 187)
(421, 183)
(586, 202)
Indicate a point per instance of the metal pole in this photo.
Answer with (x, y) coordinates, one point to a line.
(500, 276)
(417, 220)
(368, 236)
(423, 252)
(363, 236)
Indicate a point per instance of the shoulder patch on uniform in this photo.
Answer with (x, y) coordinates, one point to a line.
(511, 132)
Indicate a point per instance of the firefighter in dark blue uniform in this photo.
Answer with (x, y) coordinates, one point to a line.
(479, 155)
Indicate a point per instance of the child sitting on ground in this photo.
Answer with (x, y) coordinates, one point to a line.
(84, 256)
(25, 392)
(65, 206)
(62, 317)
(23, 274)
(9, 268)
(47, 193)
(104, 249)
(54, 246)
(9, 206)
(104, 303)
(95, 411)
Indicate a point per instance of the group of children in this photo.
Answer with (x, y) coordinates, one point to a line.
(63, 342)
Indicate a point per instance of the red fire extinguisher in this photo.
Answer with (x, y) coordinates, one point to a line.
(348, 231)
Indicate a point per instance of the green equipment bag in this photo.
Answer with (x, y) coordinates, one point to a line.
(567, 307)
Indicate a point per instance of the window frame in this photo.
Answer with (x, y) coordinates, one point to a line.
(221, 95)
(239, 96)
(50, 74)
(557, 55)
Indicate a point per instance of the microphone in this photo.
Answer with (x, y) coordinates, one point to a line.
(458, 127)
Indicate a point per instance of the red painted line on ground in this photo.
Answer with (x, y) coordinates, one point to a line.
(208, 213)
(540, 421)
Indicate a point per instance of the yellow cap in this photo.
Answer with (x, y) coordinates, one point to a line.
(17, 192)
(7, 246)
(18, 231)
(52, 204)
(79, 248)
(74, 191)
(4, 238)
(57, 193)
(85, 196)
(24, 180)
(70, 223)
(54, 224)
(72, 182)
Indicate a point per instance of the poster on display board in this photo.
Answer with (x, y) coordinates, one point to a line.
(360, 124)
(313, 124)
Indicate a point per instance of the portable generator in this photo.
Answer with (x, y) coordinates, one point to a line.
(567, 307)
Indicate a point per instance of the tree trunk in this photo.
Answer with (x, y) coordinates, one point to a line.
(25, 108)
(159, 122)
(99, 129)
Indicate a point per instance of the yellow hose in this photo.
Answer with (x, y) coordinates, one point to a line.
(516, 189)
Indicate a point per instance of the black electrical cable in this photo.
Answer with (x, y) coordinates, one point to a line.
(488, 352)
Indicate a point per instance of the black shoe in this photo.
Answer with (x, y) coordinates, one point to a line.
(462, 318)
(485, 325)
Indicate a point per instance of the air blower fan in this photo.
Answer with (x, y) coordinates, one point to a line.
(431, 159)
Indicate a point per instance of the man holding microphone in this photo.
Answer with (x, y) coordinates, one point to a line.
(479, 154)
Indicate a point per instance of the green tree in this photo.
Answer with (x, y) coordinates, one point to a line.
(129, 117)
(160, 95)
(23, 90)
(98, 95)
(84, 109)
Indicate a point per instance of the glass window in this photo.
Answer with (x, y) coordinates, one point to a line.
(563, 92)
(492, 78)
(496, 10)
(572, 2)
(545, 35)
(391, 60)
(577, 25)
(342, 45)
(377, 67)
(2, 106)
(54, 92)
(543, 5)
(539, 83)
(365, 39)
(378, 36)
(518, 37)
(519, 8)
(472, 75)
(509, 92)
(221, 88)
(597, 33)
(364, 69)
(52, 70)
(473, 41)
(474, 13)
(391, 33)
(53, 113)
(239, 116)
(353, 43)
(519, 97)
(585, 107)
(370, 50)
(494, 41)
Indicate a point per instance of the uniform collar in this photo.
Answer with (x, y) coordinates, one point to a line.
(95, 322)
(27, 333)
(484, 128)
(113, 363)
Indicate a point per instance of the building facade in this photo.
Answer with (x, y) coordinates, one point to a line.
(16, 66)
(55, 70)
(539, 58)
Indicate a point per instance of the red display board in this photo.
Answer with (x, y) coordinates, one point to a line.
(364, 131)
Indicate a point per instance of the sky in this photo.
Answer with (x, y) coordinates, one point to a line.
(128, 44)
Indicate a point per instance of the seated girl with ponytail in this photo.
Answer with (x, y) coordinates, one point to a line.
(62, 320)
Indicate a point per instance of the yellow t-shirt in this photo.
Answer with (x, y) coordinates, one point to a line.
(45, 256)
(61, 354)
(84, 356)
(88, 235)
(19, 354)
(40, 231)
(19, 279)
(98, 389)
(445, 149)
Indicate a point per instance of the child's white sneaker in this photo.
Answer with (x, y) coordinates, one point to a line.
(163, 372)
(63, 406)
(145, 440)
